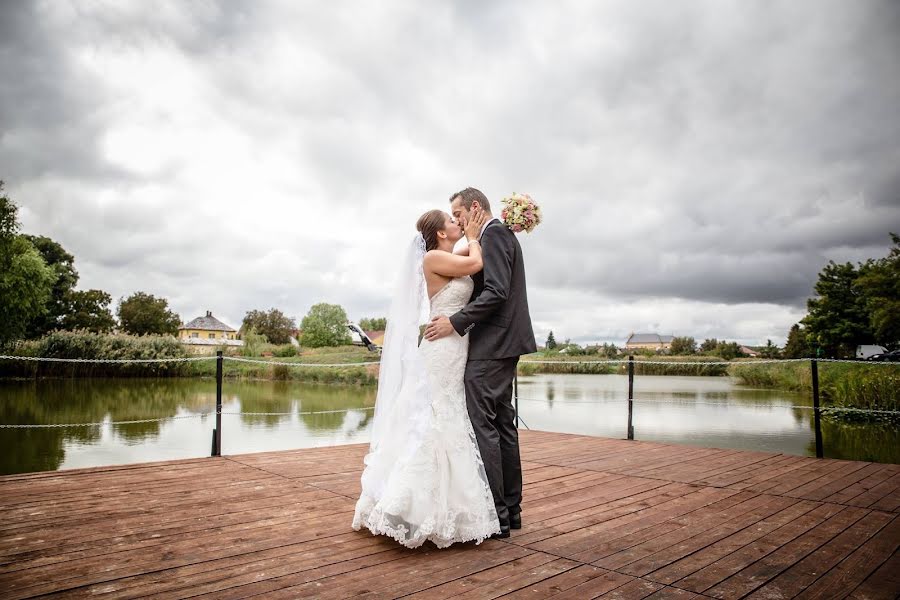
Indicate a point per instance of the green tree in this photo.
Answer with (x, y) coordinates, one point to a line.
(253, 342)
(709, 345)
(88, 310)
(373, 324)
(551, 341)
(770, 350)
(728, 350)
(271, 323)
(683, 346)
(609, 350)
(63, 264)
(879, 282)
(796, 345)
(838, 318)
(142, 314)
(325, 325)
(25, 279)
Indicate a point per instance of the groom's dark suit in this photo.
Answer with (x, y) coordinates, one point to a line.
(499, 327)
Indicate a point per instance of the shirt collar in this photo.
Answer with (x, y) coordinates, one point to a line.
(485, 226)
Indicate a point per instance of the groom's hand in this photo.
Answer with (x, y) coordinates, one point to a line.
(438, 328)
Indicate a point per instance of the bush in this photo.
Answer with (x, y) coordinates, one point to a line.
(285, 351)
(85, 345)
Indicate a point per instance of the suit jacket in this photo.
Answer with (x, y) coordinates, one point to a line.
(496, 317)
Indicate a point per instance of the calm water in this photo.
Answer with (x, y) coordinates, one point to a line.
(704, 411)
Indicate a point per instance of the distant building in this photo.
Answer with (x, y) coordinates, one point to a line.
(648, 341)
(749, 352)
(208, 331)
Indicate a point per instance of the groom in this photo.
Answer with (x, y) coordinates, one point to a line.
(499, 327)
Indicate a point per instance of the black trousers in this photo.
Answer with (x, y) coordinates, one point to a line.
(489, 386)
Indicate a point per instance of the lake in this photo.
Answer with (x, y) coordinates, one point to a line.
(702, 411)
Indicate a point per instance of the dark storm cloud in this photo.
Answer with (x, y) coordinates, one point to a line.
(687, 155)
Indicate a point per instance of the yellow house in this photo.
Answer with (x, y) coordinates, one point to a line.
(648, 341)
(208, 330)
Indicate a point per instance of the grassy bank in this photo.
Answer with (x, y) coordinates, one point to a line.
(841, 385)
(76, 345)
(586, 365)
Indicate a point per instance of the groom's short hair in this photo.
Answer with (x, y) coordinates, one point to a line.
(470, 195)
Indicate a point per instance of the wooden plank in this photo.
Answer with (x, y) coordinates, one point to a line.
(802, 574)
(696, 554)
(883, 583)
(856, 568)
(779, 560)
(734, 562)
(702, 530)
(656, 521)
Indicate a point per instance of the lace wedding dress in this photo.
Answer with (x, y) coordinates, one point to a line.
(437, 489)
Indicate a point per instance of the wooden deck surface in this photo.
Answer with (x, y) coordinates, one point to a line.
(602, 518)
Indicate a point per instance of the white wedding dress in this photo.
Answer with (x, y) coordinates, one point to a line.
(437, 489)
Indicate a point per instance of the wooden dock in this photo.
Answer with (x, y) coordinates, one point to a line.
(603, 518)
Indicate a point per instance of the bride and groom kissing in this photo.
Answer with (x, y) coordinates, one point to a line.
(443, 463)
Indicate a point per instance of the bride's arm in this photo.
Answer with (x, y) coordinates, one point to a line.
(455, 265)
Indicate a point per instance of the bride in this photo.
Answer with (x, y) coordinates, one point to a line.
(424, 478)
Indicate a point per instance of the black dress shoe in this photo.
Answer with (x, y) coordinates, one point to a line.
(515, 521)
(504, 533)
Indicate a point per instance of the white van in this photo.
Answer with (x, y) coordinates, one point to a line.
(864, 352)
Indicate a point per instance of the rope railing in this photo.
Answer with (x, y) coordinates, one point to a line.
(108, 360)
(689, 403)
(670, 363)
(220, 360)
(191, 416)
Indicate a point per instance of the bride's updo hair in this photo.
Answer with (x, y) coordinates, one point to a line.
(428, 225)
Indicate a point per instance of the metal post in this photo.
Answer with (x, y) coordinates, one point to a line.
(516, 395)
(217, 432)
(630, 396)
(816, 411)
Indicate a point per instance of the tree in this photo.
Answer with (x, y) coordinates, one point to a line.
(609, 350)
(709, 345)
(683, 345)
(879, 282)
(271, 323)
(551, 341)
(728, 350)
(25, 279)
(88, 310)
(374, 324)
(770, 350)
(325, 325)
(63, 264)
(838, 318)
(796, 345)
(142, 314)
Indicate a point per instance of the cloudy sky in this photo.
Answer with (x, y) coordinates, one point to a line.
(697, 162)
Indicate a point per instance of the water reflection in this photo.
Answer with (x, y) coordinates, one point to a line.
(103, 401)
(705, 411)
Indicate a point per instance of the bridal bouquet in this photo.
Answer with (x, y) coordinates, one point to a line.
(520, 213)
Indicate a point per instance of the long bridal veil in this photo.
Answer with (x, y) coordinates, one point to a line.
(403, 402)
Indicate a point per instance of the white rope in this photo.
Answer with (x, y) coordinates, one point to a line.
(206, 414)
(100, 423)
(672, 363)
(677, 363)
(107, 360)
(295, 364)
(688, 404)
(312, 412)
